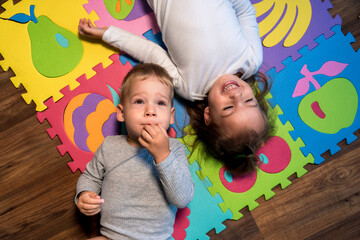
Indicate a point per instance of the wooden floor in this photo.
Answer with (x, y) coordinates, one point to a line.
(37, 187)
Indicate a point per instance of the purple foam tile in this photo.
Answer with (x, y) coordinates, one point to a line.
(140, 9)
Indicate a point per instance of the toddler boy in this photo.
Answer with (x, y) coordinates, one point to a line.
(143, 177)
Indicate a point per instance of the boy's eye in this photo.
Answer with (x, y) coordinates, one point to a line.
(138, 101)
(249, 100)
(161, 103)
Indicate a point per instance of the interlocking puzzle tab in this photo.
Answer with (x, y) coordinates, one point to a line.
(24, 46)
(323, 94)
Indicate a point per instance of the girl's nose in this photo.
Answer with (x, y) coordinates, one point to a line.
(236, 95)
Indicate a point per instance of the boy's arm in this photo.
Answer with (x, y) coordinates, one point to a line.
(175, 176)
(91, 178)
(88, 187)
(139, 48)
(245, 13)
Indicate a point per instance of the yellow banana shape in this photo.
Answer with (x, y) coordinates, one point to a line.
(296, 19)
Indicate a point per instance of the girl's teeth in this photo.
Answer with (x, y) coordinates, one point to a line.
(228, 87)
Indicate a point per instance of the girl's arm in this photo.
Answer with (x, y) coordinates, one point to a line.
(175, 176)
(87, 28)
(245, 13)
(139, 48)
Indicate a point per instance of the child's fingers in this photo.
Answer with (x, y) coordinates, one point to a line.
(90, 203)
(90, 207)
(151, 132)
(95, 211)
(82, 26)
(143, 142)
(94, 198)
(144, 139)
(90, 212)
(90, 198)
(83, 22)
(148, 133)
(91, 25)
(160, 131)
(163, 131)
(93, 194)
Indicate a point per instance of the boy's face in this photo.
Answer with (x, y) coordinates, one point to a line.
(232, 105)
(148, 102)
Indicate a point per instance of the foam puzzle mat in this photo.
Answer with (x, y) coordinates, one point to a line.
(75, 85)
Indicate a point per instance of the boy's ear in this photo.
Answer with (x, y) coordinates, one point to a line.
(207, 117)
(172, 114)
(120, 113)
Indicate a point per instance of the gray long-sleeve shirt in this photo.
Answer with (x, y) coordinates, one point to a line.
(140, 197)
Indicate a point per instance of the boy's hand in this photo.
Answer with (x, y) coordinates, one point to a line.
(87, 29)
(155, 139)
(89, 203)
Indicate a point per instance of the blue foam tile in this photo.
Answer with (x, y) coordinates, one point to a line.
(335, 125)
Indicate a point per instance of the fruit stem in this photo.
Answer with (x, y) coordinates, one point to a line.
(309, 76)
(32, 14)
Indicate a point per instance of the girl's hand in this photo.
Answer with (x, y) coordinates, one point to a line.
(87, 29)
(155, 139)
(89, 203)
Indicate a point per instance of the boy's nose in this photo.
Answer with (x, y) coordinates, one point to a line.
(150, 114)
(150, 111)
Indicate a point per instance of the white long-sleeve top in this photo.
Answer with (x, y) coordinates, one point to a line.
(204, 38)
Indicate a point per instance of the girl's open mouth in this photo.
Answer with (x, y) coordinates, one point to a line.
(230, 85)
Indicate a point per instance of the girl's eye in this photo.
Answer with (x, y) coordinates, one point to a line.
(249, 100)
(138, 101)
(228, 107)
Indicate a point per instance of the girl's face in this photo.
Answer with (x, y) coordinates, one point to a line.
(232, 105)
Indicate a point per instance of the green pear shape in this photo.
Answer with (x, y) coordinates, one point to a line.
(55, 51)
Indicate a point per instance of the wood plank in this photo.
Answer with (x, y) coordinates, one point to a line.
(349, 11)
(244, 228)
(36, 201)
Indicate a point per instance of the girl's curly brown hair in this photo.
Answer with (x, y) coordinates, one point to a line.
(237, 152)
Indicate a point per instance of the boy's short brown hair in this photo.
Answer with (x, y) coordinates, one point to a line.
(143, 71)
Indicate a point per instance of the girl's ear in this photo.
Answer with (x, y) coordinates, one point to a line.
(207, 117)
(120, 113)
(172, 113)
